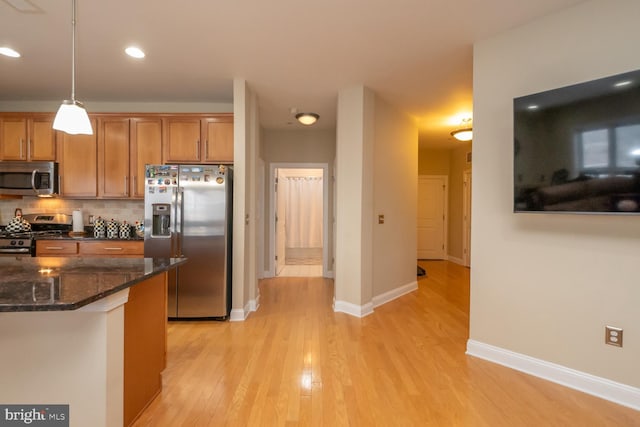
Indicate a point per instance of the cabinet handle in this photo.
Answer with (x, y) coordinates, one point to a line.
(112, 249)
(135, 185)
(198, 149)
(28, 149)
(126, 185)
(21, 143)
(60, 185)
(54, 248)
(206, 149)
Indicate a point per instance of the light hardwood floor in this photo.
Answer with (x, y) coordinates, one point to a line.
(295, 362)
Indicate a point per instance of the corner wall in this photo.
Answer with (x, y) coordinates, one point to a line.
(545, 285)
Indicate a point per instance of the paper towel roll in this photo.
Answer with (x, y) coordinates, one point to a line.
(78, 225)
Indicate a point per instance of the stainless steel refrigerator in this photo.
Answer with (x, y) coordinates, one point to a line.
(188, 212)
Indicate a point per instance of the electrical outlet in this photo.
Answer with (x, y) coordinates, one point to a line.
(613, 336)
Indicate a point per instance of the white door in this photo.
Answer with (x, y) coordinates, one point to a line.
(466, 207)
(432, 204)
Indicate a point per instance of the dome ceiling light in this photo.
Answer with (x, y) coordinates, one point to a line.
(465, 133)
(307, 119)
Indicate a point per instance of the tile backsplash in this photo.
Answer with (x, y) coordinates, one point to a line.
(121, 210)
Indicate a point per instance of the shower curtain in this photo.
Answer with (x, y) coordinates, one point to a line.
(303, 222)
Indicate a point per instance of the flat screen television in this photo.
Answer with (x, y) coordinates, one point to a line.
(577, 148)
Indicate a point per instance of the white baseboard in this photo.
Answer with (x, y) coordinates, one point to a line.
(455, 259)
(267, 274)
(241, 314)
(394, 293)
(601, 387)
(353, 309)
(238, 315)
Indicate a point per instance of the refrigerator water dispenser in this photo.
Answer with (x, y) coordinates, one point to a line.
(161, 226)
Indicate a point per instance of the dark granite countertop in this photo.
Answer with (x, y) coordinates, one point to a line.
(61, 283)
(87, 238)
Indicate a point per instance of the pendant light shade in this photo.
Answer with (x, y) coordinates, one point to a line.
(71, 117)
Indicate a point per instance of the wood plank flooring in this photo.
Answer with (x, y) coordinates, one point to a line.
(295, 362)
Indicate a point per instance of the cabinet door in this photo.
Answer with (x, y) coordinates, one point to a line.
(146, 149)
(13, 138)
(42, 139)
(218, 144)
(182, 140)
(77, 155)
(113, 157)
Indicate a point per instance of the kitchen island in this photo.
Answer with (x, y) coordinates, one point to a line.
(87, 332)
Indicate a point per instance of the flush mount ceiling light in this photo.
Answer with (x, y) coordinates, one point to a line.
(465, 133)
(7, 51)
(71, 117)
(307, 119)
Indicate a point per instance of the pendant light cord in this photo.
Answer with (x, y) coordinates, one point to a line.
(73, 50)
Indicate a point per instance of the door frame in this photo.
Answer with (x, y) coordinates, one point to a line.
(466, 217)
(325, 211)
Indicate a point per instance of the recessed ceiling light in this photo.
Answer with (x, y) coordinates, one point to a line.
(623, 83)
(134, 52)
(7, 51)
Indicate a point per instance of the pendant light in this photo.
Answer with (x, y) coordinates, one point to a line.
(71, 117)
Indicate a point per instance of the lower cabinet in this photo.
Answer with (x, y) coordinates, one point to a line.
(89, 248)
(145, 344)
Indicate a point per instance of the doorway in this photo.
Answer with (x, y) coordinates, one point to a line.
(298, 220)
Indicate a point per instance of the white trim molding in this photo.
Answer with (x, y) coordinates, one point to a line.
(601, 387)
(353, 309)
(389, 296)
(456, 260)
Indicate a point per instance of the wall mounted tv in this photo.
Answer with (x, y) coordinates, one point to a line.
(577, 148)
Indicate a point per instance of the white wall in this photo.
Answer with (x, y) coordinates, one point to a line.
(246, 147)
(395, 191)
(546, 285)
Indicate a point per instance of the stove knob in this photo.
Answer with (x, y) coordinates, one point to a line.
(13, 243)
(20, 242)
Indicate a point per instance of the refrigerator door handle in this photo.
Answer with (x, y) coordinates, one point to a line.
(179, 221)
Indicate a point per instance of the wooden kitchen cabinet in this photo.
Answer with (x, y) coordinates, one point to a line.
(90, 248)
(196, 139)
(113, 157)
(78, 164)
(218, 142)
(111, 248)
(146, 148)
(56, 247)
(27, 137)
(125, 146)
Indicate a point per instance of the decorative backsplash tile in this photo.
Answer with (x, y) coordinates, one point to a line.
(121, 210)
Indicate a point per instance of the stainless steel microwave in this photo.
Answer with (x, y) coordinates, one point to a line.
(29, 178)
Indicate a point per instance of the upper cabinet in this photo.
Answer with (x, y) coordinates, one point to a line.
(125, 146)
(146, 149)
(78, 169)
(27, 137)
(197, 139)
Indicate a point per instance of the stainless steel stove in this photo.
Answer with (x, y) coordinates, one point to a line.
(22, 243)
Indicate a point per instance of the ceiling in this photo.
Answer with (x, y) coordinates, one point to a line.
(415, 54)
